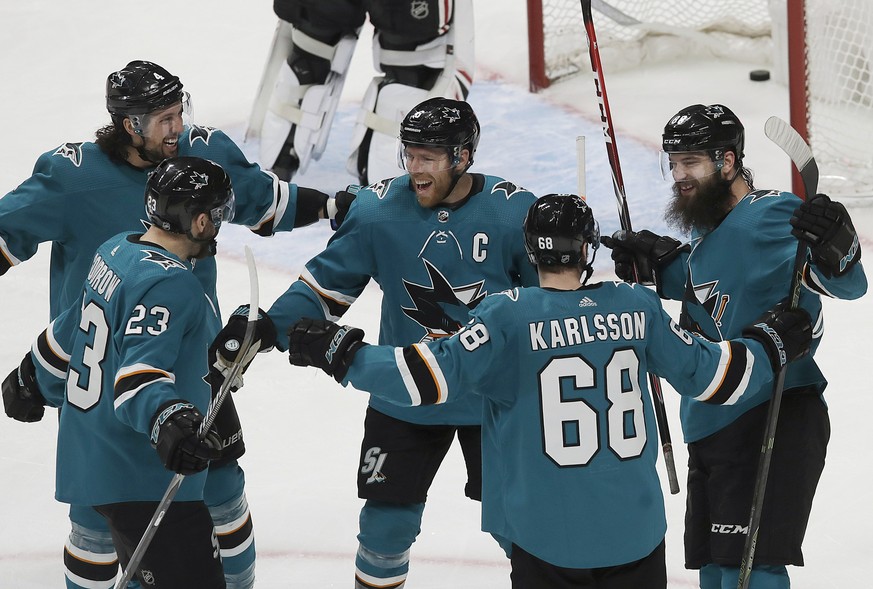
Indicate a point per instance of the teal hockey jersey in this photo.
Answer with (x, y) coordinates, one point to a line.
(569, 438)
(78, 198)
(735, 273)
(433, 266)
(138, 338)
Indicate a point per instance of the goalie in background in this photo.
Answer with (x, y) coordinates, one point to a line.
(737, 265)
(421, 49)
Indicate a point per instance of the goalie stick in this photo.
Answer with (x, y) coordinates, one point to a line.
(214, 406)
(624, 218)
(790, 141)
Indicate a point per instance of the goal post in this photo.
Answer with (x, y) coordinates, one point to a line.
(830, 65)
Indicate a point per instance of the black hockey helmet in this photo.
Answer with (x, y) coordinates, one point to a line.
(709, 128)
(556, 227)
(142, 87)
(442, 122)
(181, 188)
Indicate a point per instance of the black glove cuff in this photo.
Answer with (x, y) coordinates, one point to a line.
(164, 412)
(347, 358)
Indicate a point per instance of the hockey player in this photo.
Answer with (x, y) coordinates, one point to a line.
(569, 484)
(126, 362)
(436, 240)
(739, 263)
(81, 194)
(421, 49)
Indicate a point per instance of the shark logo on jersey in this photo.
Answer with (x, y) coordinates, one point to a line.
(703, 308)
(204, 134)
(440, 307)
(71, 151)
(162, 260)
(508, 188)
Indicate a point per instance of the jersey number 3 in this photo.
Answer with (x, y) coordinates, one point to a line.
(94, 322)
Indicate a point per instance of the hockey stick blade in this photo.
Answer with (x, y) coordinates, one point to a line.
(790, 141)
(236, 367)
(214, 406)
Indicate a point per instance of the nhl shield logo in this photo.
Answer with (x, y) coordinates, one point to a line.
(443, 216)
(419, 9)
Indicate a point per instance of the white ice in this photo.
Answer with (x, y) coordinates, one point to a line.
(302, 429)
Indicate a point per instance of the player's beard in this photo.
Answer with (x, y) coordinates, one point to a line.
(702, 210)
(158, 152)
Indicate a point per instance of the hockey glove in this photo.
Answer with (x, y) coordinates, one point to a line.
(785, 334)
(337, 207)
(225, 347)
(174, 436)
(650, 252)
(826, 226)
(22, 399)
(324, 344)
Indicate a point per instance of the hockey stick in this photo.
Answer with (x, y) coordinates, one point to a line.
(783, 135)
(624, 218)
(235, 368)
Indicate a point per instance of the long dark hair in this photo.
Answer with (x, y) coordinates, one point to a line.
(113, 140)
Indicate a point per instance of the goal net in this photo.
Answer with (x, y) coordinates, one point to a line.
(825, 47)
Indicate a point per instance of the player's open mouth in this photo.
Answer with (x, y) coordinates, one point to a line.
(422, 186)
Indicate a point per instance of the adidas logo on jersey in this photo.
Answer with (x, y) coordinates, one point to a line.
(587, 302)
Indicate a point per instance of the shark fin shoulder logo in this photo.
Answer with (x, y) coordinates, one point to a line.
(71, 151)
(508, 188)
(161, 260)
(761, 194)
(204, 134)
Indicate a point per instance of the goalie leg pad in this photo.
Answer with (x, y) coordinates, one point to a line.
(304, 101)
(378, 125)
(427, 61)
(280, 48)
